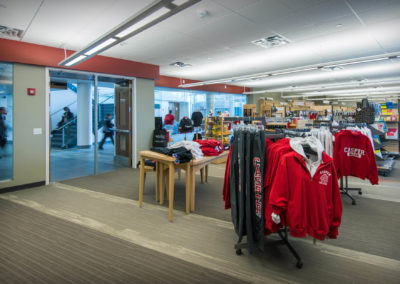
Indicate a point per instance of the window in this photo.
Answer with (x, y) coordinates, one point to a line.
(184, 102)
(6, 121)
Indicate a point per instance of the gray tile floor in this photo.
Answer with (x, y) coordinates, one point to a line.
(6, 162)
(73, 163)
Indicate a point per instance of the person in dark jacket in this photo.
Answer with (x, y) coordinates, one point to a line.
(67, 116)
(3, 128)
(107, 130)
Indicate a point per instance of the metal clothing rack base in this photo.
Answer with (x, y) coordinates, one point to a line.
(345, 190)
(283, 234)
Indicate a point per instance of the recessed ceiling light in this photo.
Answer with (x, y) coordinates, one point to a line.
(339, 25)
(271, 41)
(180, 64)
(11, 32)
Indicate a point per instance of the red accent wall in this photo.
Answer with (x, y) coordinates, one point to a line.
(35, 54)
(173, 82)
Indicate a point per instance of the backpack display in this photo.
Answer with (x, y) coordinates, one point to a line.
(186, 125)
(160, 138)
(365, 112)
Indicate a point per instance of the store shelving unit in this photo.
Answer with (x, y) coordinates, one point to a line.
(216, 128)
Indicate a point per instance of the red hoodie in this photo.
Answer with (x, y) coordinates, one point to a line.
(226, 194)
(306, 204)
(353, 156)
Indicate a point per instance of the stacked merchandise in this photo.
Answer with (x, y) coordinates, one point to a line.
(300, 187)
(192, 146)
(181, 154)
(211, 147)
(353, 156)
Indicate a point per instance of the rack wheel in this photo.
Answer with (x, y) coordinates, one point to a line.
(360, 193)
(239, 252)
(299, 264)
(353, 202)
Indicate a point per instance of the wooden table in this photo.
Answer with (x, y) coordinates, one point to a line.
(164, 161)
(198, 165)
(167, 162)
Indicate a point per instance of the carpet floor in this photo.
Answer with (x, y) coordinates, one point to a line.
(371, 226)
(39, 248)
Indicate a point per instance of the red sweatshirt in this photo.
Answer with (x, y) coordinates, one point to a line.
(308, 205)
(353, 156)
(226, 194)
(211, 147)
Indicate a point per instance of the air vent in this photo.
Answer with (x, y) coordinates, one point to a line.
(10, 32)
(180, 64)
(271, 41)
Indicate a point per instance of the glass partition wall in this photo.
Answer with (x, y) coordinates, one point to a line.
(6, 121)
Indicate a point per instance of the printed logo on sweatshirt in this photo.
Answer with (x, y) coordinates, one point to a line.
(257, 186)
(324, 178)
(354, 152)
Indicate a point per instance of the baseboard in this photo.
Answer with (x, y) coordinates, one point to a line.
(22, 186)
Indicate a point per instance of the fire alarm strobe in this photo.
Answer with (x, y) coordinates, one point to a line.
(31, 91)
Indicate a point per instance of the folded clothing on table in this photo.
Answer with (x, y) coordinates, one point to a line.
(181, 154)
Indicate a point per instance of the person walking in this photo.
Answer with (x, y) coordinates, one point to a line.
(3, 128)
(107, 130)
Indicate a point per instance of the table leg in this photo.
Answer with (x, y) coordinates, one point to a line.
(202, 175)
(188, 189)
(141, 182)
(157, 181)
(192, 188)
(207, 173)
(171, 190)
(161, 182)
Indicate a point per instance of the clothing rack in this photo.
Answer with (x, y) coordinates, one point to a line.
(283, 232)
(345, 190)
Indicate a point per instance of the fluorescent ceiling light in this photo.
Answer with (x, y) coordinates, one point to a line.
(149, 16)
(353, 91)
(236, 79)
(76, 60)
(100, 46)
(353, 97)
(363, 83)
(143, 22)
(346, 92)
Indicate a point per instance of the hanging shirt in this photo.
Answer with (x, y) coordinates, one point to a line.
(353, 156)
(307, 203)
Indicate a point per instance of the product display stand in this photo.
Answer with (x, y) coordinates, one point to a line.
(283, 234)
(345, 190)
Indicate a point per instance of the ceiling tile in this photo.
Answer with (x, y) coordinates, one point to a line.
(17, 13)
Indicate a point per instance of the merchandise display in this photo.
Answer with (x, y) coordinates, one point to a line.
(210, 147)
(217, 128)
(185, 125)
(197, 118)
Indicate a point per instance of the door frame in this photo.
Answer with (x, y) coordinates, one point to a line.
(96, 74)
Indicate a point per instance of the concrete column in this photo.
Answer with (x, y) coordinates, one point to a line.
(210, 103)
(84, 112)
